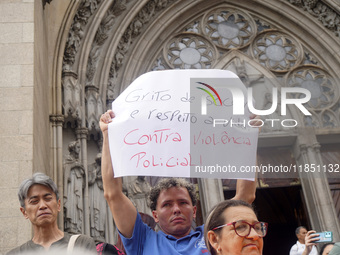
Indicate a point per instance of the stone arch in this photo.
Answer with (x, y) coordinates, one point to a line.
(292, 26)
(105, 45)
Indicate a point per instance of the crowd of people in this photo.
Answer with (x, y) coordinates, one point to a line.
(231, 227)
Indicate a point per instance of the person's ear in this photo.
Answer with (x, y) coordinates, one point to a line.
(213, 239)
(58, 205)
(155, 216)
(23, 211)
(194, 212)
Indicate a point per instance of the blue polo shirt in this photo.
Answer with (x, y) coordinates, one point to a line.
(144, 240)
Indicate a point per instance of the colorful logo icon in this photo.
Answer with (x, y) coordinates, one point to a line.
(207, 91)
(204, 101)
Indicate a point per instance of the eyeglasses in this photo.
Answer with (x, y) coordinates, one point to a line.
(243, 228)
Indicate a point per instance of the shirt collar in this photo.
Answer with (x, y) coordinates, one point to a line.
(192, 233)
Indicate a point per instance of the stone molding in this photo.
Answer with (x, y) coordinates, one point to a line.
(325, 14)
(76, 33)
(57, 120)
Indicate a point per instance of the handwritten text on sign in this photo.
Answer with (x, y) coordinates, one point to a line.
(159, 129)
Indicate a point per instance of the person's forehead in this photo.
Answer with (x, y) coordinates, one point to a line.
(174, 193)
(38, 189)
(303, 230)
(236, 213)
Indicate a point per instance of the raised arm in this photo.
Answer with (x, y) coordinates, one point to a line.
(245, 190)
(123, 211)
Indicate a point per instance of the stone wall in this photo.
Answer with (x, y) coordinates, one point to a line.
(16, 115)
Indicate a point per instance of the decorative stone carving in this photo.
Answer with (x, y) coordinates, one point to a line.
(57, 120)
(94, 107)
(312, 121)
(329, 18)
(101, 36)
(72, 92)
(324, 95)
(188, 50)
(310, 4)
(323, 90)
(76, 34)
(138, 192)
(326, 15)
(273, 49)
(74, 176)
(159, 65)
(194, 28)
(277, 51)
(91, 64)
(134, 29)
(296, 2)
(110, 94)
(98, 205)
(242, 73)
(81, 132)
(262, 25)
(229, 28)
(310, 59)
(336, 109)
(46, 1)
(329, 119)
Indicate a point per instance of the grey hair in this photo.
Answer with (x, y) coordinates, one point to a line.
(37, 178)
(297, 230)
(168, 183)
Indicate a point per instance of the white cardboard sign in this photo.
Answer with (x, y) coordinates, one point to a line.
(159, 128)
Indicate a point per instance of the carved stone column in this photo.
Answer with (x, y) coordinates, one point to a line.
(82, 137)
(315, 185)
(72, 98)
(57, 163)
(93, 109)
(211, 193)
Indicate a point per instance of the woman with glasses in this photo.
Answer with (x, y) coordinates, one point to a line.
(232, 228)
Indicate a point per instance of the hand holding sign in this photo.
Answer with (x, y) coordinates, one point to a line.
(160, 128)
(105, 119)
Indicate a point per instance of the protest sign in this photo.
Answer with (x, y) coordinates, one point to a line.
(180, 123)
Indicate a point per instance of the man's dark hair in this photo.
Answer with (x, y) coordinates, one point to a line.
(167, 183)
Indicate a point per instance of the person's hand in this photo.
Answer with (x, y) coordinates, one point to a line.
(105, 119)
(310, 238)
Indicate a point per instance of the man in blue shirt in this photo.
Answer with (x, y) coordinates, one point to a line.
(173, 206)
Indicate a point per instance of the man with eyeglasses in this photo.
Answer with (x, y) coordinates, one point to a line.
(173, 205)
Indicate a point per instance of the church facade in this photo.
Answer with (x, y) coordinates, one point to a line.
(64, 62)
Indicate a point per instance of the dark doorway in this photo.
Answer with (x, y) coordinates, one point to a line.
(284, 209)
